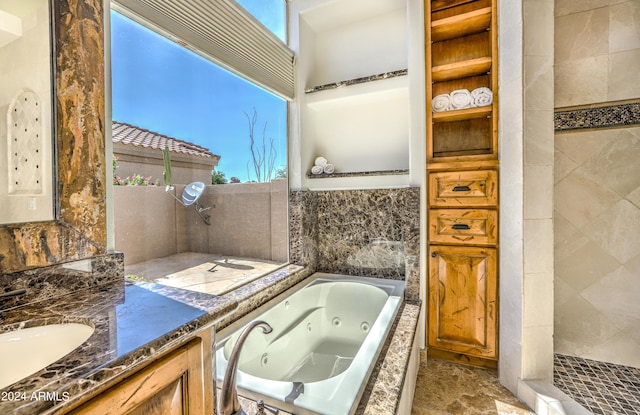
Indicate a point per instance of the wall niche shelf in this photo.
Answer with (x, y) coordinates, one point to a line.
(399, 172)
(356, 81)
(351, 94)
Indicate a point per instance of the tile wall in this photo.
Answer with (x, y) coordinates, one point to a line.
(372, 233)
(597, 180)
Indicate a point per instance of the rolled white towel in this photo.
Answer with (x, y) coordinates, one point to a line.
(482, 96)
(328, 168)
(441, 103)
(320, 161)
(460, 99)
(317, 170)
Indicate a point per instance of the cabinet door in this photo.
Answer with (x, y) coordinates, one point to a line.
(462, 300)
(172, 386)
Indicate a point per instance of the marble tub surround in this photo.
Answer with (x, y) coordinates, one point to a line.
(303, 229)
(134, 324)
(58, 280)
(373, 232)
(383, 391)
(361, 80)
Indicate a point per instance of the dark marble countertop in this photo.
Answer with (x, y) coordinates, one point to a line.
(133, 324)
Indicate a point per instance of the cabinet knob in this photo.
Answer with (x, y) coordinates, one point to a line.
(434, 254)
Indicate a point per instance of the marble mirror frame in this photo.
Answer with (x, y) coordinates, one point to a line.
(79, 230)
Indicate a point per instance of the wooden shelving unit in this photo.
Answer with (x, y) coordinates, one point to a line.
(461, 54)
(462, 170)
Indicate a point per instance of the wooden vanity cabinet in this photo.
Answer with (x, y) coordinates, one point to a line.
(179, 383)
(463, 182)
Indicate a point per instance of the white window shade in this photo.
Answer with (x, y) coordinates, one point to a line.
(224, 32)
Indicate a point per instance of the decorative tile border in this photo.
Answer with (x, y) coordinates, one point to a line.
(601, 387)
(598, 117)
(378, 77)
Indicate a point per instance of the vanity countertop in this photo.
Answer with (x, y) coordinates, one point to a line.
(133, 324)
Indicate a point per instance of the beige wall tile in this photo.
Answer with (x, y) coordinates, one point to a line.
(562, 166)
(581, 200)
(582, 263)
(538, 254)
(564, 7)
(538, 148)
(580, 327)
(536, 352)
(582, 35)
(624, 26)
(536, 14)
(581, 81)
(615, 231)
(620, 349)
(538, 307)
(579, 146)
(538, 193)
(616, 295)
(538, 83)
(615, 165)
(624, 75)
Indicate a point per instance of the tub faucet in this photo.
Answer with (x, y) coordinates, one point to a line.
(229, 404)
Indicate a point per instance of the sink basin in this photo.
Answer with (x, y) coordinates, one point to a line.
(26, 351)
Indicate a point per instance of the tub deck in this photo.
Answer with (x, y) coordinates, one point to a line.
(207, 273)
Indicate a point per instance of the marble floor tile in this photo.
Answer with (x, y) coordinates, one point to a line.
(445, 388)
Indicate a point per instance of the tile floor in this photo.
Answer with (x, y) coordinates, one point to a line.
(602, 388)
(445, 388)
(208, 273)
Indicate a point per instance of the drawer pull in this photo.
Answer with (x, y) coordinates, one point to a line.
(460, 227)
(461, 189)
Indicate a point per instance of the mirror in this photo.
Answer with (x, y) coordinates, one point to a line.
(26, 109)
(192, 193)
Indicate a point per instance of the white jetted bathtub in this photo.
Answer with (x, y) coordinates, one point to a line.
(327, 334)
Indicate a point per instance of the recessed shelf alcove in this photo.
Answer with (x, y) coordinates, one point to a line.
(354, 104)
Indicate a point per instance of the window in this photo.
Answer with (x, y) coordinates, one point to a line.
(271, 13)
(220, 128)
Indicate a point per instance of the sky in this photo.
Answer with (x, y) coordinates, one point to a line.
(163, 87)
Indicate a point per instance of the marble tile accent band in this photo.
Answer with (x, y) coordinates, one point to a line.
(598, 117)
(334, 85)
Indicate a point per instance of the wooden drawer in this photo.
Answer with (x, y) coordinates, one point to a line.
(463, 226)
(463, 188)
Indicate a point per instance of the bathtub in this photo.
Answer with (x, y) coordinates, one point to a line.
(327, 334)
